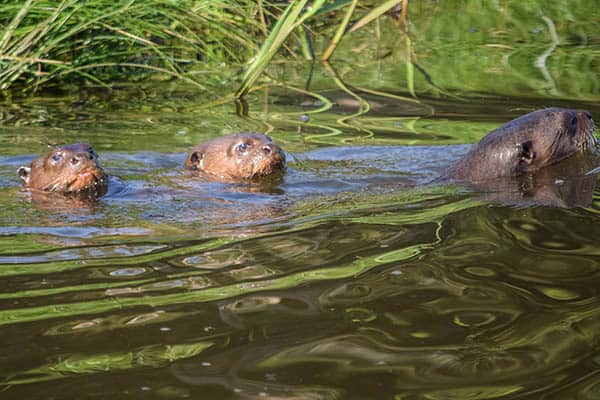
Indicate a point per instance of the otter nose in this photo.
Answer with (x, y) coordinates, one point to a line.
(82, 156)
(76, 159)
(267, 149)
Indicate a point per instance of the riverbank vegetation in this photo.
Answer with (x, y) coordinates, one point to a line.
(441, 47)
(103, 42)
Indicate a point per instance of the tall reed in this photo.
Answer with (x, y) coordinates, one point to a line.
(108, 42)
(103, 41)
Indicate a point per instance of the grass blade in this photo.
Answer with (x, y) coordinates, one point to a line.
(272, 44)
(13, 25)
(340, 32)
(374, 13)
(289, 21)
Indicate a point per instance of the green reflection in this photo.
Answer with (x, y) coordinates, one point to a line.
(204, 295)
(146, 357)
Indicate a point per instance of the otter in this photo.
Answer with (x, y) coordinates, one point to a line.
(526, 144)
(69, 169)
(236, 157)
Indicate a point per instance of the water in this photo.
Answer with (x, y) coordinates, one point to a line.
(356, 276)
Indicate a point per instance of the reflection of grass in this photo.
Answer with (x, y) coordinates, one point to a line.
(485, 47)
(205, 295)
(145, 357)
(473, 47)
(363, 105)
(384, 209)
(326, 127)
(58, 266)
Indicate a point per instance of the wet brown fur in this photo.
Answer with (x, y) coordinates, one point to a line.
(234, 157)
(527, 144)
(72, 168)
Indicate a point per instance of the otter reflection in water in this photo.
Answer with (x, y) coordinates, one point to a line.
(541, 158)
(565, 184)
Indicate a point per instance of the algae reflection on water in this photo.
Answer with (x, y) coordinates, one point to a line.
(351, 278)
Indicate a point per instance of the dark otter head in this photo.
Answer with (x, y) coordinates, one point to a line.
(551, 135)
(67, 169)
(238, 156)
(527, 144)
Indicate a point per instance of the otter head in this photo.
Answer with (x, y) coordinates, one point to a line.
(238, 156)
(551, 135)
(68, 169)
(527, 144)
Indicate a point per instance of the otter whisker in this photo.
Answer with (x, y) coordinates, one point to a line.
(555, 143)
(54, 185)
(589, 139)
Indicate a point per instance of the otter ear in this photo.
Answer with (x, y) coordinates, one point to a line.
(24, 173)
(527, 154)
(197, 160)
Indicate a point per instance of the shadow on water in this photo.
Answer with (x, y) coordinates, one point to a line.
(354, 276)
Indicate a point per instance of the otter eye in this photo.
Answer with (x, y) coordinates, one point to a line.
(57, 158)
(242, 147)
(573, 123)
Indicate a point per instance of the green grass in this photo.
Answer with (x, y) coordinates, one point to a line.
(44, 43)
(105, 41)
(446, 47)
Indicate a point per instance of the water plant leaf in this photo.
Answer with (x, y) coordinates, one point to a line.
(289, 20)
(340, 31)
(13, 25)
(374, 13)
(336, 5)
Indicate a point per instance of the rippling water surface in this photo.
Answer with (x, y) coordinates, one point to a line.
(355, 276)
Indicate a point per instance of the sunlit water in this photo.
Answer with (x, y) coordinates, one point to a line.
(357, 275)
(352, 277)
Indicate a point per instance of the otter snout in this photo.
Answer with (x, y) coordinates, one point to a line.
(267, 148)
(586, 123)
(273, 150)
(585, 118)
(77, 158)
(83, 156)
